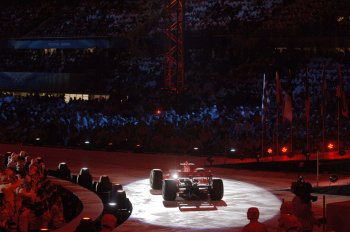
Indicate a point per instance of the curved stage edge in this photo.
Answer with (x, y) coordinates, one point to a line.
(244, 188)
(92, 205)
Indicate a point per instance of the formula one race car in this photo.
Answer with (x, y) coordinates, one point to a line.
(188, 183)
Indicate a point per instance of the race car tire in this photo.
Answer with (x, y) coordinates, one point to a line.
(217, 191)
(169, 190)
(156, 178)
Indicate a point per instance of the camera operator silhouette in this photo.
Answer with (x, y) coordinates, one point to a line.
(302, 207)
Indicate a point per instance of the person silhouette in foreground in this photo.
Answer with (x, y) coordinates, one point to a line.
(287, 221)
(108, 222)
(302, 204)
(254, 225)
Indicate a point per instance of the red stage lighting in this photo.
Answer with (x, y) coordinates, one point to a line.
(158, 112)
(330, 146)
(269, 151)
(284, 149)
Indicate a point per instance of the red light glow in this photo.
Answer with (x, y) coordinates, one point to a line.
(330, 146)
(284, 149)
(269, 151)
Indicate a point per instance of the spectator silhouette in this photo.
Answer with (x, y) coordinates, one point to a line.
(254, 225)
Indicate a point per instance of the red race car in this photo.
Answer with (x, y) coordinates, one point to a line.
(188, 183)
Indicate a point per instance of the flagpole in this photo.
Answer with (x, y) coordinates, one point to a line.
(308, 116)
(278, 101)
(338, 124)
(273, 143)
(291, 136)
(262, 138)
(323, 109)
(339, 94)
(291, 100)
(307, 136)
(323, 129)
(277, 135)
(317, 168)
(263, 119)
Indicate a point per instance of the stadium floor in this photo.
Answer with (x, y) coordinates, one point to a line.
(243, 189)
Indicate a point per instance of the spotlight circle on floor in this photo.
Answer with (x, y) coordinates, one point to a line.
(149, 207)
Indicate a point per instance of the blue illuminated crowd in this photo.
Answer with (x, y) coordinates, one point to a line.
(213, 123)
(96, 18)
(26, 119)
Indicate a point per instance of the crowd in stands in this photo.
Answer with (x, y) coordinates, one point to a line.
(99, 18)
(19, 17)
(143, 72)
(303, 17)
(51, 60)
(210, 14)
(222, 100)
(29, 118)
(96, 18)
(28, 202)
(220, 108)
(61, 18)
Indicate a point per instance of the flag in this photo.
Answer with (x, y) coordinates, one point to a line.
(344, 104)
(265, 100)
(341, 94)
(278, 90)
(324, 91)
(324, 82)
(339, 88)
(287, 108)
(307, 96)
